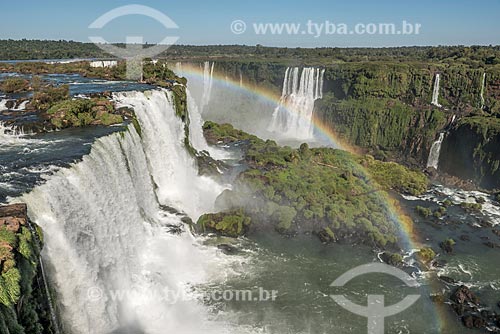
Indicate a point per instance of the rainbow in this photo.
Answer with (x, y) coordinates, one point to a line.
(325, 131)
(409, 237)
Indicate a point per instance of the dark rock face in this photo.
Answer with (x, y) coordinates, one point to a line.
(466, 304)
(227, 249)
(22, 306)
(470, 152)
(448, 280)
(464, 237)
(463, 295)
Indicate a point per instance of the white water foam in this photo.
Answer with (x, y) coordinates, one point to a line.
(293, 117)
(435, 91)
(112, 262)
(433, 159)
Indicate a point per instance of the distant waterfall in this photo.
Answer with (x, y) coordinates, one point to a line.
(208, 73)
(113, 263)
(482, 90)
(103, 63)
(196, 136)
(433, 160)
(435, 92)
(292, 118)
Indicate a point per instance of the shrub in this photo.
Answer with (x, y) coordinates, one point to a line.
(49, 95)
(447, 203)
(471, 207)
(14, 85)
(423, 212)
(284, 216)
(426, 255)
(232, 223)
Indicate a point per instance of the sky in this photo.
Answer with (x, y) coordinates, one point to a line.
(445, 22)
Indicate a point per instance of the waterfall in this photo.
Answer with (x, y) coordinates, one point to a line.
(482, 90)
(435, 92)
(50, 302)
(433, 160)
(107, 247)
(208, 72)
(293, 116)
(196, 136)
(103, 63)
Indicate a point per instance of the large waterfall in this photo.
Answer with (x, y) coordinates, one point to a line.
(208, 73)
(293, 116)
(433, 160)
(483, 84)
(435, 92)
(114, 264)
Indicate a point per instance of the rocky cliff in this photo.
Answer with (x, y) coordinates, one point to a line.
(23, 302)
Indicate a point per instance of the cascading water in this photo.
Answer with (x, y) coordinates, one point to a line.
(3, 104)
(433, 160)
(292, 118)
(483, 85)
(115, 267)
(435, 91)
(21, 106)
(208, 72)
(10, 135)
(196, 136)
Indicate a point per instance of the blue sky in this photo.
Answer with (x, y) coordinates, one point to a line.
(208, 22)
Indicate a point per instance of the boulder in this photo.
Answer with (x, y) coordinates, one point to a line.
(14, 210)
(464, 295)
(447, 279)
(227, 249)
(13, 216)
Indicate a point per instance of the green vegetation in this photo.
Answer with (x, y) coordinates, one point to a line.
(394, 259)
(155, 73)
(464, 55)
(330, 192)
(423, 212)
(372, 122)
(231, 223)
(447, 203)
(426, 255)
(471, 207)
(479, 159)
(440, 212)
(427, 212)
(392, 176)
(83, 112)
(21, 306)
(180, 102)
(14, 85)
(447, 245)
(47, 95)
